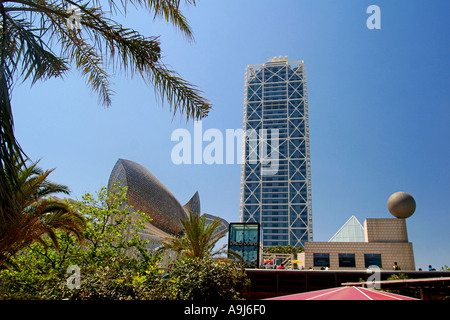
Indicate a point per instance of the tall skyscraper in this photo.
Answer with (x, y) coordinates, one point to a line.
(276, 171)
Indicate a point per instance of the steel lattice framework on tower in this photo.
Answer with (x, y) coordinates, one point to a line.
(276, 168)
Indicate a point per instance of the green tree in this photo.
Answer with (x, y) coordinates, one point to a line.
(289, 249)
(113, 259)
(113, 226)
(198, 239)
(27, 214)
(31, 31)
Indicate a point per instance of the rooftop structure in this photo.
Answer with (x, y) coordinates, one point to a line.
(385, 242)
(351, 231)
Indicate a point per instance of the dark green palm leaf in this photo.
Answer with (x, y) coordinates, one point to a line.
(30, 215)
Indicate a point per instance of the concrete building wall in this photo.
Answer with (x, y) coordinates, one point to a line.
(385, 237)
(385, 230)
(400, 252)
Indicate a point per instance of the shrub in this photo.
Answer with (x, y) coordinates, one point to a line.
(207, 279)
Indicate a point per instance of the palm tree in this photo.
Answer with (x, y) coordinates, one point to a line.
(31, 30)
(198, 240)
(28, 213)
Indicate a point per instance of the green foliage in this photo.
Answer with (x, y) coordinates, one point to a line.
(289, 249)
(112, 225)
(115, 281)
(399, 276)
(114, 263)
(110, 258)
(403, 291)
(198, 240)
(27, 214)
(207, 279)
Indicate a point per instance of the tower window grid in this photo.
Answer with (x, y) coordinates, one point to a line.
(275, 97)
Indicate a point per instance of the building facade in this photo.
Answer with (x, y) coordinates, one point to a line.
(386, 242)
(276, 171)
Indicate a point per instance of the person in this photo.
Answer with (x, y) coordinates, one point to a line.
(395, 266)
(430, 268)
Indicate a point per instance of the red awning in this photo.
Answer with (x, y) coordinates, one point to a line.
(344, 293)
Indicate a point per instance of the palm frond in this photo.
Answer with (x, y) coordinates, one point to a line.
(198, 239)
(102, 42)
(170, 11)
(35, 57)
(32, 216)
(9, 147)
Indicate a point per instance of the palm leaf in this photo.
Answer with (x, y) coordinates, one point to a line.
(198, 239)
(31, 216)
(102, 42)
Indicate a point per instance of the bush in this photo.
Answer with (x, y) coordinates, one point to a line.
(207, 279)
(120, 278)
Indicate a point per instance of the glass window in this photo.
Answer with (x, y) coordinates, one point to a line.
(347, 260)
(371, 259)
(244, 240)
(321, 259)
(251, 235)
(250, 255)
(236, 234)
(237, 249)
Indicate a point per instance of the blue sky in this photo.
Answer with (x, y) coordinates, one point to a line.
(378, 100)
